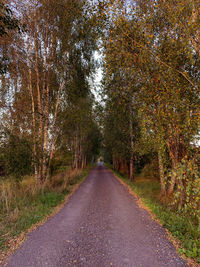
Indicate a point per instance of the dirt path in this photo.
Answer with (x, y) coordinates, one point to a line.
(101, 225)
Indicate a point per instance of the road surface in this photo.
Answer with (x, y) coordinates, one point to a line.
(101, 225)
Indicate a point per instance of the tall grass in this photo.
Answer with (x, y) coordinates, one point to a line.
(24, 203)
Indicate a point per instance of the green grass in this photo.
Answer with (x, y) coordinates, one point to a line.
(27, 209)
(179, 225)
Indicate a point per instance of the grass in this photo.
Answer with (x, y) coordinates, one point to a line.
(23, 205)
(181, 226)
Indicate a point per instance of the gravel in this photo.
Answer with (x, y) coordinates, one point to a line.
(101, 225)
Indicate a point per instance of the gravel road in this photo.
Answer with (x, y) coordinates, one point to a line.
(101, 225)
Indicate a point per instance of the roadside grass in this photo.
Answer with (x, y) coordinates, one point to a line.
(24, 204)
(182, 227)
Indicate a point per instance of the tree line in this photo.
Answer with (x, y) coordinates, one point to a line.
(152, 86)
(47, 107)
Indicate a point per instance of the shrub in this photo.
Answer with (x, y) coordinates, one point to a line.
(187, 195)
(16, 156)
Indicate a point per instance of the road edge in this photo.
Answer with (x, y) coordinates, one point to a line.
(15, 243)
(175, 242)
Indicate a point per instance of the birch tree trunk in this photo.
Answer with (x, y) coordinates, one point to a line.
(33, 123)
(54, 132)
(161, 170)
(131, 166)
(39, 104)
(46, 104)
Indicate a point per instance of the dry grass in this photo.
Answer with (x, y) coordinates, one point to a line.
(61, 181)
(10, 192)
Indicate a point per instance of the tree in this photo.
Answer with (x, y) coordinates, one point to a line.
(49, 68)
(160, 70)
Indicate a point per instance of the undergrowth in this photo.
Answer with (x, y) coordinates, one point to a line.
(181, 226)
(24, 204)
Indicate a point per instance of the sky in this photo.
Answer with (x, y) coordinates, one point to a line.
(96, 85)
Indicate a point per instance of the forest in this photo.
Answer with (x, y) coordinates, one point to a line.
(143, 119)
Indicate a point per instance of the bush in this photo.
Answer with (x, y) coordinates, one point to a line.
(151, 169)
(16, 156)
(187, 196)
